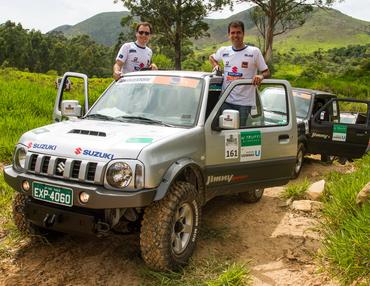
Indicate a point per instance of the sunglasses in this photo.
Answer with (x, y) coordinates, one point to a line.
(144, 33)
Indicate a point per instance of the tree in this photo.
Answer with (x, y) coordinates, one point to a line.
(274, 17)
(175, 22)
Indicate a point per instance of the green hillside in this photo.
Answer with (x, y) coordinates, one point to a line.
(325, 29)
(104, 28)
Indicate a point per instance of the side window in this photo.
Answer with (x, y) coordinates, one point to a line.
(266, 105)
(345, 112)
(353, 112)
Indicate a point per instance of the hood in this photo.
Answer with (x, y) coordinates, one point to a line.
(95, 140)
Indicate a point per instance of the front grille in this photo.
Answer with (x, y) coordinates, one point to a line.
(65, 168)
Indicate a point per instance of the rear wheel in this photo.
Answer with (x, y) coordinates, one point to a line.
(251, 196)
(170, 228)
(328, 159)
(299, 161)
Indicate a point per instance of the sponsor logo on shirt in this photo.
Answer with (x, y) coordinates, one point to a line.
(120, 56)
(244, 65)
(234, 69)
(141, 65)
(134, 60)
(131, 51)
(227, 64)
(225, 55)
(249, 56)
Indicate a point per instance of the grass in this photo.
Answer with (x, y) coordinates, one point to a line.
(296, 190)
(27, 101)
(346, 247)
(206, 272)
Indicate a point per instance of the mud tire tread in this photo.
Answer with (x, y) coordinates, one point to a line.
(156, 228)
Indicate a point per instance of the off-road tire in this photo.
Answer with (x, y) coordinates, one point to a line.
(161, 222)
(26, 227)
(299, 160)
(251, 196)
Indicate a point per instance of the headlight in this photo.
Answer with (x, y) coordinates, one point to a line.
(119, 175)
(20, 158)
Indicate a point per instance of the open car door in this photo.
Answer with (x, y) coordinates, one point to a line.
(333, 134)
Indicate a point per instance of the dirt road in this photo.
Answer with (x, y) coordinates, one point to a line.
(277, 243)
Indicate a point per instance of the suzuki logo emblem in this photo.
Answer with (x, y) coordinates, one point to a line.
(78, 151)
(61, 167)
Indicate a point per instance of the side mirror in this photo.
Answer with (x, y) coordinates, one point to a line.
(71, 108)
(229, 119)
(322, 115)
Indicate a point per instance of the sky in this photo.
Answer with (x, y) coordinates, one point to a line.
(45, 15)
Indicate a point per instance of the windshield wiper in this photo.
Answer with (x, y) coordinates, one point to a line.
(100, 116)
(148, 120)
(275, 111)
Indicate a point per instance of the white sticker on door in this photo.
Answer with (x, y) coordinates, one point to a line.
(250, 146)
(339, 132)
(231, 146)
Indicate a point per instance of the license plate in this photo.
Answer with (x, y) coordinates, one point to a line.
(52, 194)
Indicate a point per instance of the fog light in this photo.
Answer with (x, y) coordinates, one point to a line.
(26, 186)
(84, 197)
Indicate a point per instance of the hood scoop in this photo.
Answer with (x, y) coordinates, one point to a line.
(88, 132)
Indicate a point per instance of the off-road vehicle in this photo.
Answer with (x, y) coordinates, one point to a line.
(151, 151)
(320, 116)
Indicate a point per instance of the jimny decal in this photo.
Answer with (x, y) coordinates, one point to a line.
(93, 153)
(219, 179)
(41, 146)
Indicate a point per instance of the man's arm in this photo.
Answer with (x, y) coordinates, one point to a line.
(117, 70)
(214, 63)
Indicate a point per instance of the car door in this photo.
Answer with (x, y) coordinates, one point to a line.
(261, 153)
(333, 135)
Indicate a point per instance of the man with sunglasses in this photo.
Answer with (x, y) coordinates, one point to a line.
(240, 61)
(135, 56)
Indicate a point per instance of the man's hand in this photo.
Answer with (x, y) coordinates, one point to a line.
(153, 66)
(117, 75)
(257, 79)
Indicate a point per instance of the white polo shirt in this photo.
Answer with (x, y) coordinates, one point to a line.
(238, 64)
(134, 57)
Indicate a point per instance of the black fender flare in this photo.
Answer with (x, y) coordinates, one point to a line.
(173, 171)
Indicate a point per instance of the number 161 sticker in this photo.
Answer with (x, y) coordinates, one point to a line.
(231, 146)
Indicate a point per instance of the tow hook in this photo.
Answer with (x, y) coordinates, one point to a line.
(49, 220)
(102, 228)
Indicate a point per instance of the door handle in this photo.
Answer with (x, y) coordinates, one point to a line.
(284, 138)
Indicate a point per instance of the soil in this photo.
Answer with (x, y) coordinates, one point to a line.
(277, 244)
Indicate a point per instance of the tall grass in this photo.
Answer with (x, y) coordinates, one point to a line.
(346, 226)
(27, 101)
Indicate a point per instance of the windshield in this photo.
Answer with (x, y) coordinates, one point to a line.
(302, 103)
(166, 100)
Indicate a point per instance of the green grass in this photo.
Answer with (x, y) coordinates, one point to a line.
(206, 272)
(346, 247)
(296, 190)
(27, 101)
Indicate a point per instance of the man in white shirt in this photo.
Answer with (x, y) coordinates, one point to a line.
(240, 61)
(135, 56)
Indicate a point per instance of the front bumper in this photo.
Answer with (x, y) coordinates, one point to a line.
(100, 198)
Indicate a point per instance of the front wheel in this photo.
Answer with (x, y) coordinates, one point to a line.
(170, 228)
(251, 196)
(25, 226)
(299, 161)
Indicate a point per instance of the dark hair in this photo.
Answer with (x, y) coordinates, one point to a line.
(146, 24)
(235, 24)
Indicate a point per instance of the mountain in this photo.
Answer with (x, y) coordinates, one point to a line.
(104, 28)
(323, 29)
